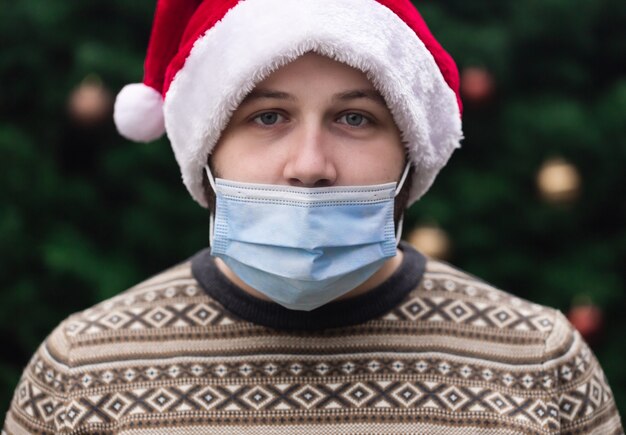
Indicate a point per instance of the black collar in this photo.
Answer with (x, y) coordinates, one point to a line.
(345, 312)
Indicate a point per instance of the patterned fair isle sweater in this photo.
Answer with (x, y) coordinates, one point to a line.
(431, 351)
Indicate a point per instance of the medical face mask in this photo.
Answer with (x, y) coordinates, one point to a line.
(303, 247)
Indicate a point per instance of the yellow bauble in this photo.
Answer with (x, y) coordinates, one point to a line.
(431, 241)
(558, 181)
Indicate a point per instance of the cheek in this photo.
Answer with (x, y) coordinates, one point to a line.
(240, 159)
(378, 162)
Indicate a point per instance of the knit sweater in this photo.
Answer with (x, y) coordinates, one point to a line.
(432, 350)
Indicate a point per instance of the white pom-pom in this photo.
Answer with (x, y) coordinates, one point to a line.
(138, 113)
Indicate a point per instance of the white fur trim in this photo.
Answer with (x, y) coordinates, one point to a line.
(258, 36)
(138, 113)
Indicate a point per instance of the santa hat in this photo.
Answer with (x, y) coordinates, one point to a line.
(204, 57)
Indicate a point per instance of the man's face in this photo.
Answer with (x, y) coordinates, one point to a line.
(312, 123)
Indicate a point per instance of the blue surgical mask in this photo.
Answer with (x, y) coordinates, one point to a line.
(303, 247)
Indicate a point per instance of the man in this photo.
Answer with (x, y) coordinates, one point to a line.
(307, 127)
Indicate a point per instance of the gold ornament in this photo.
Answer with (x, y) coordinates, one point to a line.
(558, 181)
(90, 102)
(431, 241)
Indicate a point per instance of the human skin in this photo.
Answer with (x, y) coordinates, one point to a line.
(314, 122)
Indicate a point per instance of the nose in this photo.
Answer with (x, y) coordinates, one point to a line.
(310, 163)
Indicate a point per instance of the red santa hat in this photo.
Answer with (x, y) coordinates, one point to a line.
(204, 57)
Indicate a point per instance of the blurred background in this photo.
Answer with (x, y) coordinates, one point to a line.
(534, 202)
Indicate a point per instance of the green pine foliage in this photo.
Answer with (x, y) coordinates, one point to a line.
(85, 214)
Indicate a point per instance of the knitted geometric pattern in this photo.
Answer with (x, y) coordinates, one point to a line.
(455, 356)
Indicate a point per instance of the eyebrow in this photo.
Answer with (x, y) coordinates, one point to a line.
(370, 94)
(353, 94)
(258, 94)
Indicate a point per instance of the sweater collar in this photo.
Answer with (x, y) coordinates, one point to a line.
(340, 313)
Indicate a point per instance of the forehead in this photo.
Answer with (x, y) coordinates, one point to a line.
(315, 64)
(315, 75)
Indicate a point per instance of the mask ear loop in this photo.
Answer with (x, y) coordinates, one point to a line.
(212, 212)
(403, 178)
(210, 176)
(399, 231)
(398, 189)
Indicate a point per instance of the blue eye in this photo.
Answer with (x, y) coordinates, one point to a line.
(268, 118)
(354, 119)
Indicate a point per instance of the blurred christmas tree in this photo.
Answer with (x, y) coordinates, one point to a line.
(534, 202)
